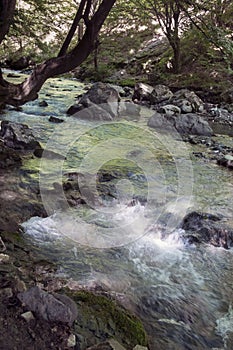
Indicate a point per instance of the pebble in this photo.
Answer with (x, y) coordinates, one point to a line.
(28, 316)
(4, 258)
(71, 342)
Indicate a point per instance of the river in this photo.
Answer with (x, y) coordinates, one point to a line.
(182, 293)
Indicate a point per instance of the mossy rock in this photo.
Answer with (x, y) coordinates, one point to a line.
(101, 317)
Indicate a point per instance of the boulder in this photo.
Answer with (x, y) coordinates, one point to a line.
(129, 110)
(94, 112)
(142, 92)
(153, 95)
(185, 106)
(104, 95)
(184, 124)
(207, 228)
(53, 308)
(188, 101)
(18, 136)
(160, 93)
(169, 110)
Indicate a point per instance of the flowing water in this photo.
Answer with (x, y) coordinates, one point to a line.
(131, 244)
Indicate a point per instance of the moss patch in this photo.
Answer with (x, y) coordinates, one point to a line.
(104, 318)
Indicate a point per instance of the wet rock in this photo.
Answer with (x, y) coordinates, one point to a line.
(55, 120)
(16, 209)
(207, 228)
(43, 104)
(12, 75)
(18, 136)
(104, 95)
(8, 157)
(53, 308)
(188, 101)
(190, 124)
(100, 318)
(95, 112)
(41, 152)
(74, 109)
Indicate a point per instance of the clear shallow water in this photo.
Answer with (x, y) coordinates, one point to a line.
(182, 293)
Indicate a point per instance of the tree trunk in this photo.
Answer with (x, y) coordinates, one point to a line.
(7, 9)
(176, 64)
(28, 90)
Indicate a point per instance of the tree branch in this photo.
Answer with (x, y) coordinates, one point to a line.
(73, 28)
(28, 90)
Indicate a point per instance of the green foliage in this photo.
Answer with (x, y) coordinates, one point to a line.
(38, 29)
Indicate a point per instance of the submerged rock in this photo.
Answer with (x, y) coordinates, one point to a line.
(53, 308)
(206, 228)
(43, 104)
(56, 120)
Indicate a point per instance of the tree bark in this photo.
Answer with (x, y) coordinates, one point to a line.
(73, 28)
(28, 90)
(7, 9)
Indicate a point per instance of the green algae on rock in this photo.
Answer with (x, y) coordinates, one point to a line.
(101, 317)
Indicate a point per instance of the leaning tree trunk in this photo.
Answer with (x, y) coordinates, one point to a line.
(28, 90)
